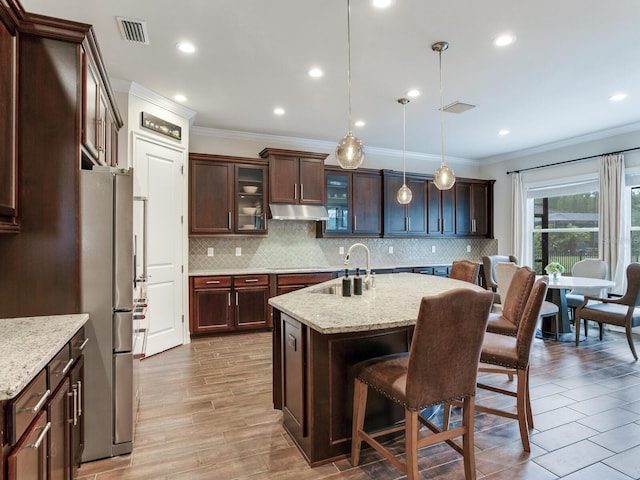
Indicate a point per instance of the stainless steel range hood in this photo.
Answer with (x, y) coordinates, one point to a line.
(298, 212)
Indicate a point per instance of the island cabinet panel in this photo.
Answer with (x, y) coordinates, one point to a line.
(405, 220)
(290, 282)
(8, 133)
(295, 177)
(313, 384)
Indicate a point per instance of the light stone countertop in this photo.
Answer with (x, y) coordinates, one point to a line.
(27, 344)
(312, 269)
(394, 302)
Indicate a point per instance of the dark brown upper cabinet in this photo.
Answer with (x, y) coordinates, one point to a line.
(442, 210)
(227, 195)
(354, 203)
(405, 220)
(474, 201)
(295, 177)
(8, 133)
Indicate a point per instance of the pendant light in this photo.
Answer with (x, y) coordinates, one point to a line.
(444, 177)
(404, 194)
(349, 152)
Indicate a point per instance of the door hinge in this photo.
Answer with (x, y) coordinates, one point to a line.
(181, 268)
(182, 318)
(182, 169)
(181, 219)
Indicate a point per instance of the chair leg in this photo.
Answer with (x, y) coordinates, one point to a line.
(577, 330)
(556, 319)
(586, 328)
(446, 415)
(529, 411)
(601, 325)
(360, 391)
(468, 453)
(630, 341)
(521, 402)
(411, 443)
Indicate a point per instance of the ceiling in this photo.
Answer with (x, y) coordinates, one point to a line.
(552, 84)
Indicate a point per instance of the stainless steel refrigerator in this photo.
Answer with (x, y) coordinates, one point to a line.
(107, 295)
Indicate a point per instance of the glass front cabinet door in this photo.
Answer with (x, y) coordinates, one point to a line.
(338, 203)
(251, 206)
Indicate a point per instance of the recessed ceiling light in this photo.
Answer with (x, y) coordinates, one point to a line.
(413, 93)
(618, 96)
(503, 132)
(180, 98)
(278, 111)
(186, 47)
(360, 123)
(315, 72)
(504, 40)
(381, 3)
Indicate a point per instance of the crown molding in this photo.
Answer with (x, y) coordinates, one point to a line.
(569, 142)
(317, 145)
(132, 88)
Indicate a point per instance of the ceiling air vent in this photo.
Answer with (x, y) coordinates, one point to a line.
(458, 107)
(133, 30)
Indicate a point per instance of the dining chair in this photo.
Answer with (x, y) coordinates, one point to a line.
(502, 354)
(516, 283)
(465, 270)
(442, 364)
(489, 263)
(621, 311)
(591, 268)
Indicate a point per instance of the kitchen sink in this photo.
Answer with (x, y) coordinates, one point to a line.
(335, 289)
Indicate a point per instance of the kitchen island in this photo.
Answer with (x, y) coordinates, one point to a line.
(319, 336)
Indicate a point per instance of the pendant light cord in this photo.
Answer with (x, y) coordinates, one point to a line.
(441, 107)
(404, 143)
(349, 57)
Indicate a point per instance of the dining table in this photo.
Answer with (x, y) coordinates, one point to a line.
(557, 293)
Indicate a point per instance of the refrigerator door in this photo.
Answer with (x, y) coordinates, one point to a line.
(123, 398)
(123, 241)
(122, 331)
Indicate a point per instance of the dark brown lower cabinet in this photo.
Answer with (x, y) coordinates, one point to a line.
(28, 459)
(226, 303)
(58, 411)
(76, 420)
(290, 282)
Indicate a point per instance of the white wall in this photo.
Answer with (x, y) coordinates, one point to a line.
(497, 168)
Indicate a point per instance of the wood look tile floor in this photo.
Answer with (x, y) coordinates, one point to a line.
(206, 413)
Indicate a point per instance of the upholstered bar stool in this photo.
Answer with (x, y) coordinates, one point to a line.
(442, 365)
(489, 263)
(509, 355)
(465, 270)
(517, 283)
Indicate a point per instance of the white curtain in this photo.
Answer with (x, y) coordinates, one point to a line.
(518, 216)
(614, 238)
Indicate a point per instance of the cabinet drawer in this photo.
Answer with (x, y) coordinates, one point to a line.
(211, 282)
(242, 280)
(26, 406)
(304, 278)
(78, 343)
(59, 367)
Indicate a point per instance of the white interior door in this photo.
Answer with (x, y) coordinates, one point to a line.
(159, 168)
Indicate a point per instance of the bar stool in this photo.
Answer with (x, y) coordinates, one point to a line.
(465, 270)
(442, 365)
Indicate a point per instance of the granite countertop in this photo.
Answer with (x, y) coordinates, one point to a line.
(28, 344)
(394, 302)
(280, 270)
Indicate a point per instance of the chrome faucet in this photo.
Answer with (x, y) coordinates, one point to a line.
(367, 273)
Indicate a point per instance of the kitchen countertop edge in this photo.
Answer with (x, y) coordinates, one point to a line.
(29, 344)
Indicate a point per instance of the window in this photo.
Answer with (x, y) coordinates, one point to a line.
(563, 219)
(635, 224)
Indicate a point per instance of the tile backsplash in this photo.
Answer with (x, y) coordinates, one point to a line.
(293, 244)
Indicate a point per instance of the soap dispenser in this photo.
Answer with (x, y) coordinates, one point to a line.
(346, 284)
(357, 283)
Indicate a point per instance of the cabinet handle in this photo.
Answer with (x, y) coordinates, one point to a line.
(473, 225)
(355, 223)
(236, 298)
(212, 282)
(229, 299)
(99, 141)
(36, 444)
(75, 404)
(38, 405)
(71, 397)
(302, 191)
(439, 221)
(79, 398)
(84, 344)
(229, 220)
(408, 224)
(251, 280)
(67, 366)
(295, 191)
